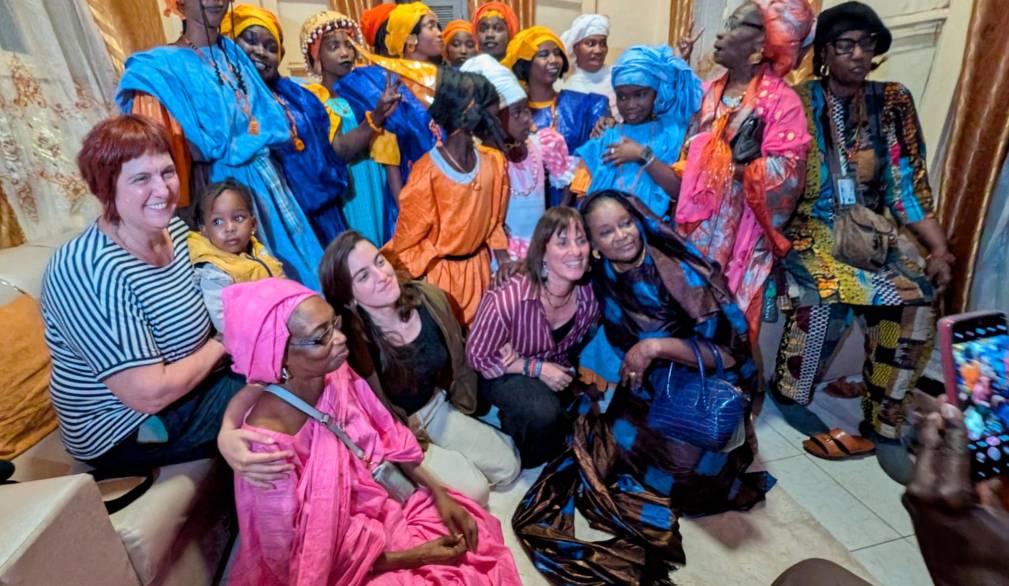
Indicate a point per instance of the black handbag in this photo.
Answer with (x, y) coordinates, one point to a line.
(696, 408)
(745, 144)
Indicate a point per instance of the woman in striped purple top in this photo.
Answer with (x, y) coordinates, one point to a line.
(528, 332)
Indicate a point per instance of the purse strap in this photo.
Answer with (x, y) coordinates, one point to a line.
(323, 418)
(719, 367)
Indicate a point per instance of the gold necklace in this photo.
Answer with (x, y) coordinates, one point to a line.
(567, 298)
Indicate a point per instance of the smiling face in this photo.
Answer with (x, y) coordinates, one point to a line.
(373, 280)
(493, 35)
(567, 253)
(429, 41)
(147, 192)
(336, 54)
(590, 53)
(263, 50)
(849, 57)
(614, 231)
(740, 37)
(546, 65)
(229, 223)
(635, 103)
(460, 48)
(207, 13)
(317, 346)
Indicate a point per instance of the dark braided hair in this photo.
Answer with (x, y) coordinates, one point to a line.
(457, 91)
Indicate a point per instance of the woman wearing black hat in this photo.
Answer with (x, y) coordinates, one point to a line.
(870, 161)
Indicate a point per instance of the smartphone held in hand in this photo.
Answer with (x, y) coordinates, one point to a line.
(975, 358)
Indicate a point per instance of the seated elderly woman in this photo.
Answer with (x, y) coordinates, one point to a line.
(527, 333)
(133, 379)
(337, 518)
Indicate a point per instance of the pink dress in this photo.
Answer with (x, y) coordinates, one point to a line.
(328, 522)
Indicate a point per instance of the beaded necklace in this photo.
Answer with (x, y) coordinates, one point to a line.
(235, 82)
(299, 145)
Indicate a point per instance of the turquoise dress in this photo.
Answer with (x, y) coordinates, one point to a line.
(217, 121)
(365, 199)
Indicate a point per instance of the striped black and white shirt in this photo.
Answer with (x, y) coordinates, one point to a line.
(107, 311)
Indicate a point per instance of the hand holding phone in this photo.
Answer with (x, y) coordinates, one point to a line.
(975, 356)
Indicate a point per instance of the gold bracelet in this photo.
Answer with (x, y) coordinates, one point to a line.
(371, 123)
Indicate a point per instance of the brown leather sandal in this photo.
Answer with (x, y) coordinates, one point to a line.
(837, 445)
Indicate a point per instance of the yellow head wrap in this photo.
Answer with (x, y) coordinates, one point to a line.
(401, 22)
(243, 16)
(527, 43)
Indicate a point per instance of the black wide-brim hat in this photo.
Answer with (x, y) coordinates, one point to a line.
(850, 16)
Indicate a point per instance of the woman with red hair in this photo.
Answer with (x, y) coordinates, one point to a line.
(133, 379)
(746, 152)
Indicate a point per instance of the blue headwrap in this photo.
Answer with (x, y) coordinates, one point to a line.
(677, 90)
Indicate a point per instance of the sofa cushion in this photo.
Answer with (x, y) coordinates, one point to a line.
(56, 531)
(26, 413)
(151, 524)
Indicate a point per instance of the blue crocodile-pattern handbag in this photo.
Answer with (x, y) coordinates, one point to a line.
(696, 408)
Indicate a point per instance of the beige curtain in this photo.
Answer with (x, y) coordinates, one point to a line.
(352, 8)
(681, 15)
(977, 142)
(524, 9)
(56, 81)
(127, 26)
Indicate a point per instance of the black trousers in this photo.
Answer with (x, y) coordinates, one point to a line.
(531, 413)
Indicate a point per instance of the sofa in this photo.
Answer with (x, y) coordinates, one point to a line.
(55, 526)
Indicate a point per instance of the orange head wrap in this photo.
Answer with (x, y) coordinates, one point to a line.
(788, 27)
(372, 19)
(497, 9)
(455, 27)
(402, 21)
(526, 44)
(243, 16)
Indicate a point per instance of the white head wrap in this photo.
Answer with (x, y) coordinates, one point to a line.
(504, 81)
(585, 25)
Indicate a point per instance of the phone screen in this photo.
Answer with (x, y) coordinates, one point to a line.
(980, 349)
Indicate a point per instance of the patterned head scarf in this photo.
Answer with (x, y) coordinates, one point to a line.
(372, 19)
(255, 325)
(455, 27)
(678, 92)
(243, 16)
(316, 27)
(500, 10)
(586, 25)
(402, 21)
(509, 90)
(788, 29)
(526, 44)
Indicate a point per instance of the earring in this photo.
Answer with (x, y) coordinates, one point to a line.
(824, 71)
(596, 255)
(544, 273)
(756, 58)
(284, 374)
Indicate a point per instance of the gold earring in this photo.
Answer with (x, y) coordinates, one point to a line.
(824, 70)
(756, 58)
(596, 255)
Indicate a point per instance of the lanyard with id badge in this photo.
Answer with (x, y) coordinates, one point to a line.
(862, 238)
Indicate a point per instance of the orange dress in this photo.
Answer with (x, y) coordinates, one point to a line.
(448, 224)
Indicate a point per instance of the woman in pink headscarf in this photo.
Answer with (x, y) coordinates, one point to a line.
(329, 521)
(739, 187)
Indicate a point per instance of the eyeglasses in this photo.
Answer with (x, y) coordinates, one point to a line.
(847, 46)
(322, 340)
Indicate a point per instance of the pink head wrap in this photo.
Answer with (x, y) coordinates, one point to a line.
(788, 27)
(255, 325)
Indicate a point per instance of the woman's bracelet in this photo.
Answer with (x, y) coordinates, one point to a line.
(539, 368)
(371, 123)
(525, 367)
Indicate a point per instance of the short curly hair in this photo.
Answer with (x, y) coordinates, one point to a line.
(111, 143)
